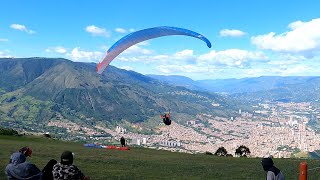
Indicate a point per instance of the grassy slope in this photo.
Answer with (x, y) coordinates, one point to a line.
(140, 163)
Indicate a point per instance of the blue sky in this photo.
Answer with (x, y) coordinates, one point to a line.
(250, 38)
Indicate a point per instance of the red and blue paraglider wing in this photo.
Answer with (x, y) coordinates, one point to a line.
(143, 35)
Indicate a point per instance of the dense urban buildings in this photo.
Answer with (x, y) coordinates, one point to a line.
(279, 129)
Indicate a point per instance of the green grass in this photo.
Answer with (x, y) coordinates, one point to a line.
(140, 163)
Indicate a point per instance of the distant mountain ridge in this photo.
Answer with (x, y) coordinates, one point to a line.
(269, 88)
(179, 81)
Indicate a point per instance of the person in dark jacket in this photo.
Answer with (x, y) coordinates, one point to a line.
(123, 142)
(19, 169)
(166, 118)
(65, 170)
(47, 170)
(273, 173)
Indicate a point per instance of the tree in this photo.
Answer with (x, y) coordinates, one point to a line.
(221, 152)
(242, 151)
(8, 132)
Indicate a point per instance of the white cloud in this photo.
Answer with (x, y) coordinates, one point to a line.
(79, 55)
(96, 31)
(186, 61)
(181, 68)
(4, 55)
(185, 54)
(21, 27)
(143, 43)
(303, 37)
(161, 57)
(138, 54)
(292, 70)
(3, 40)
(232, 33)
(232, 57)
(120, 30)
(137, 50)
(295, 25)
(128, 68)
(57, 49)
(287, 59)
(133, 58)
(255, 72)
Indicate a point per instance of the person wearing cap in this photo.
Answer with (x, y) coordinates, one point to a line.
(65, 170)
(273, 173)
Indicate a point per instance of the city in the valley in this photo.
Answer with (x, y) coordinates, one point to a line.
(277, 129)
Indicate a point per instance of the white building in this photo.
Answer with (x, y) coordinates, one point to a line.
(120, 130)
(139, 141)
(170, 143)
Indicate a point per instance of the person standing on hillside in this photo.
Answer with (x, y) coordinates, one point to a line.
(123, 142)
(65, 170)
(273, 173)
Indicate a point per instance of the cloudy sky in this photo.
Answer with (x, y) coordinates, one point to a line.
(249, 38)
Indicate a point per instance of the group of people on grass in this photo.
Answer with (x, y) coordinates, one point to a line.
(20, 169)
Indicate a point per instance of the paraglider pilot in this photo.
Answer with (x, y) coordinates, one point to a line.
(166, 118)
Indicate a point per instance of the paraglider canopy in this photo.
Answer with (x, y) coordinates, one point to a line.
(143, 35)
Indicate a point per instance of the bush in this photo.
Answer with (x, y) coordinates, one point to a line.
(8, 132)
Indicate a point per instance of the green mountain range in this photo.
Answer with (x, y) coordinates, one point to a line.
(36, 90)
(258, 89)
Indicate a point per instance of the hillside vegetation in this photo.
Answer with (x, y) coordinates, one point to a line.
(45, 89)
(141, 163)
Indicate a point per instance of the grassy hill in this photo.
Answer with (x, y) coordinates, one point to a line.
(141, 163)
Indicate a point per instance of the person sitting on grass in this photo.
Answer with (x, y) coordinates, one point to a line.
(47, 170)
(65, 170)
(18, 168)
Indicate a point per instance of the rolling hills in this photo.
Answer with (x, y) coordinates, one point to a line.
(36, 90)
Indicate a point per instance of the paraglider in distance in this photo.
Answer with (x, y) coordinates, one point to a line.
(166, 118)
(143, 35)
